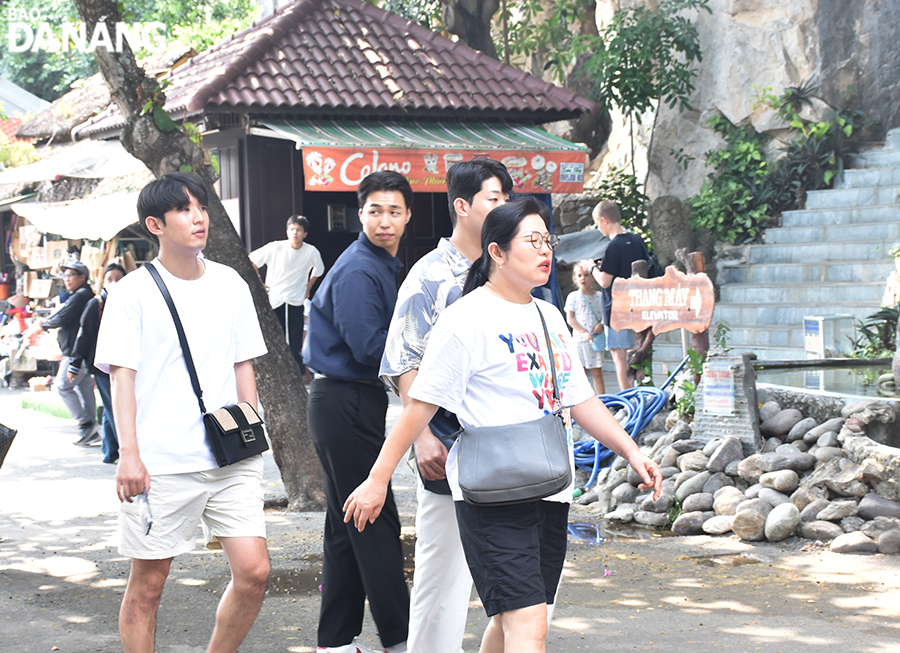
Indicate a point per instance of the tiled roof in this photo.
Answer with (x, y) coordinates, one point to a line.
(88, 99)
(349, 58)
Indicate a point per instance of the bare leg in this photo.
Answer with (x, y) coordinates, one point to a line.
(618, 356)
(517, 631)
(599, 383)
(137, 616)
(249, 561)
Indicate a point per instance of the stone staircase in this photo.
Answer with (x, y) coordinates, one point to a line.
(830, 258)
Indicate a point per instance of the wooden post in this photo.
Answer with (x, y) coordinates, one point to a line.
(694, 263)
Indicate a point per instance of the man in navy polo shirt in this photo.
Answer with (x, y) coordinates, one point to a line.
(347, 329)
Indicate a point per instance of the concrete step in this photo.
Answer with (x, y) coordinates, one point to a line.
(768, 336)
(851, 197)
(861, 250)
(892, 140)
(820, 272)
(863, 177)
(874, 159)
(830, 258)
(803, 293)
(835, 233)
(830, 217)
(790, 314)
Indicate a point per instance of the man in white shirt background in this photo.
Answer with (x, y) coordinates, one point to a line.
(292, 269)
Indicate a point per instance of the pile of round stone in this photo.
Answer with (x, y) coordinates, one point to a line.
(800, 483)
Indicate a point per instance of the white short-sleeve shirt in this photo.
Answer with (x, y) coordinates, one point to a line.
(487, 362)
(288, 270)
(137, 332)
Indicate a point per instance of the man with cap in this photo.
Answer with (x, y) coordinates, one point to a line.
(75, 389)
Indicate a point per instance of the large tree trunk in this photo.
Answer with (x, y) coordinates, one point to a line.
(470, 20)
(278, 379)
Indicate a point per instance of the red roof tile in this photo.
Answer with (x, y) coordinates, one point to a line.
(348, 57)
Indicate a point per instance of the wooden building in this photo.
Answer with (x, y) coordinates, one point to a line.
(302, 104)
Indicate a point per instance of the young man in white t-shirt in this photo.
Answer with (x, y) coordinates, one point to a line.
(163, 454)
(292, 269)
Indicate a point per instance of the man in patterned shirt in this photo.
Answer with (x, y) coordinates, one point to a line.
(442, 584)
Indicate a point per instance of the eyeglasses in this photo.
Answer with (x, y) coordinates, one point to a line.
(70, 275)
(537, 239)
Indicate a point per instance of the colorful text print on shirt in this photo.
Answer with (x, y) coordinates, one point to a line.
(529, 351)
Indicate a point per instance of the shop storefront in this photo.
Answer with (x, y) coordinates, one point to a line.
(335, 155)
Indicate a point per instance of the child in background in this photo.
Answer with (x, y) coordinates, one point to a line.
(583, 315)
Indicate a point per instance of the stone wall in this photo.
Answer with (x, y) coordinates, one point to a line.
(752, 44)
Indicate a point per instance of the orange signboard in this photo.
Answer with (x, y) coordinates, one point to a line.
(341, 169)
(672, 301)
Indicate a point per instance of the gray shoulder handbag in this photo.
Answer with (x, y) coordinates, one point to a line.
(516, 463)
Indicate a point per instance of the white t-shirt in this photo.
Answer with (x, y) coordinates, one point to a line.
(288, 270)
(486, 361)
(137, 332)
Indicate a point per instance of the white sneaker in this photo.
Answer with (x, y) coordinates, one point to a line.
(347, 648)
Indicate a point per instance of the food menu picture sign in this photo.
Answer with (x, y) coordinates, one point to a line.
(341, 169)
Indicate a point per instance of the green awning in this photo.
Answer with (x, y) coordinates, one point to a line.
(418, 134)
(337, 154)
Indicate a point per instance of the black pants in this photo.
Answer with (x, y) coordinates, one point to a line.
(346, 420)
(292, 316)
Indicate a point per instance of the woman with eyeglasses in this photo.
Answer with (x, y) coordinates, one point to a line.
(487, 361)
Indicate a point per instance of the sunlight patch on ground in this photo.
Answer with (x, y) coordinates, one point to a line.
(874, 605)
(764, 634)
(79, 619)
(732, 606)
(73, 570)
(580, 625)
(631, 602)
(687, 582)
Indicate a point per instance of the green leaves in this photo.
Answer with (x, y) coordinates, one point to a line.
(875, 337)
(642, 56)
(625, 190)
(746, 191)
(162, 119)
(645, 55)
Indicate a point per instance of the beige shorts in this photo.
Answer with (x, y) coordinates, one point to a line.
(226, 502)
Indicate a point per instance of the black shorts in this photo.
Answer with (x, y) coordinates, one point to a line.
(515, 553)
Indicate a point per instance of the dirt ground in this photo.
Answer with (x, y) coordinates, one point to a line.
(61, 578)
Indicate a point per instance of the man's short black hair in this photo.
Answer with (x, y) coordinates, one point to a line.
(466, 178)
(298, 220)
(113, 266)
(388, 180)
(166, 193)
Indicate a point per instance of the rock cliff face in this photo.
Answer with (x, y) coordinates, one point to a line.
(849, 49)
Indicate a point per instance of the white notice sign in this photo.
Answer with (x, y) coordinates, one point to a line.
(718, 389)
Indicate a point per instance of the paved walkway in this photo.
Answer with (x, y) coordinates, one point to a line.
(61, 578)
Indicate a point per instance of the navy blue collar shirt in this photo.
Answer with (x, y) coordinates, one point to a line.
(350, 313)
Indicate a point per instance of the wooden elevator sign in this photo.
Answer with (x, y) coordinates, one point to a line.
(672, 301)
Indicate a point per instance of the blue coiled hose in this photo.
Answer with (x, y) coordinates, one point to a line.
(640, 405)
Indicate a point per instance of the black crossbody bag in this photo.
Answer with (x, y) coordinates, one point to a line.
(234, 432)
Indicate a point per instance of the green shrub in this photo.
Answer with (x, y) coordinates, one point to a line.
(746, 192)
